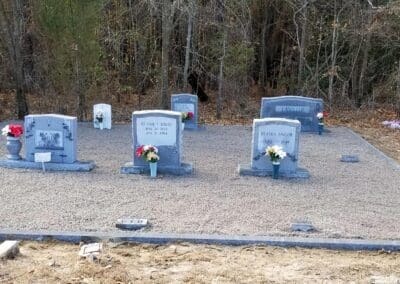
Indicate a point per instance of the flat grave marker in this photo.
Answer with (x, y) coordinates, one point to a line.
(131, 224)
(349, 159)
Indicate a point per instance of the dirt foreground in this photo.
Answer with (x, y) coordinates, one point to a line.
(184, 263)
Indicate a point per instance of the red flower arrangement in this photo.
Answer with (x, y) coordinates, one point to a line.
(187, 116)
(13, 130)
(322, 115)
(148, 153)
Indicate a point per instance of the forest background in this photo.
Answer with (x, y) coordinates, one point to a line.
(62, 56)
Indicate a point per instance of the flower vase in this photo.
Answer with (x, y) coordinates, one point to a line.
(275, 170)
(153, 169)
(101, 126)
(320, 128)
(183, 125)
(14, 146)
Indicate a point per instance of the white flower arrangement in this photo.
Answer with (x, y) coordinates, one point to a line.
(99, 116)
(321, 116)
(275, 153)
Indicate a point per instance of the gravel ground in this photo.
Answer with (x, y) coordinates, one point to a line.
(342, 200)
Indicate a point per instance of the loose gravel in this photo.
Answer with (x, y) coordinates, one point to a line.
(348, 200)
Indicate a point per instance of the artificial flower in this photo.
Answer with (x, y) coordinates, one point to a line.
(13, 130)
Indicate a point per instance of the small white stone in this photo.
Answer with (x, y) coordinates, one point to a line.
(9, 249)
(90, 249)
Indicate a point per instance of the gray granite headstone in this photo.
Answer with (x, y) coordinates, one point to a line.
(51, 133)
(186, 103)
(105, 109)
(303, 109)
(162, 129)
(275, 131)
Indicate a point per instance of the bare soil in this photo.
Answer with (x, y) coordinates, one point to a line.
(184, 263)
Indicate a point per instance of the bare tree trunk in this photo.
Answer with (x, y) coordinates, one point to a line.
(191, 14)
(302, 46)
(317, 60)
(221, 79)
(364, 63)
(397, 105)
(79, 90)
(12, 32)
(220, 20)
(333, 56)
(263, 73)
(167, 17)
(139, 53)
(282, 60)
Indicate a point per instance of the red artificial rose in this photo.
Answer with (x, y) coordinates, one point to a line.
(190, 115)
(139, 151)
(16, 130)
(325, 113)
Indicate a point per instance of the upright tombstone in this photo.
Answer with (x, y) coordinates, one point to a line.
(162, 129)
(186, 103)
(51, 133)
(105, 109)
(275, 131)
(303, 109)
(54, 136)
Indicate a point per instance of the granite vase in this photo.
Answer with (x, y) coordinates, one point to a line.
(14, 146)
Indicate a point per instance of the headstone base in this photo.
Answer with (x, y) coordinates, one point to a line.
(246, 170)
(198, 128)
(78, 166)
(184, 169)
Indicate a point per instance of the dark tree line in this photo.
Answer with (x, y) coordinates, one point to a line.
(71, 53)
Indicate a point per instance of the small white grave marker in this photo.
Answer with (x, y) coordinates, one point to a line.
(106, 121)
(43, 158)
(90, 249)
(131, 224)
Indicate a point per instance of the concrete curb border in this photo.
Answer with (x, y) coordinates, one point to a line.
(154, 238)
(390, 160)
